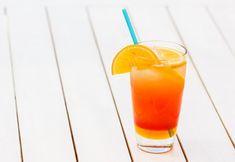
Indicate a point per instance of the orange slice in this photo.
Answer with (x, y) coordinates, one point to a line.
(173, 57)
(133, 56)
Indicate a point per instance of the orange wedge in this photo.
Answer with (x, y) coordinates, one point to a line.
(173, 57)
(133, 56)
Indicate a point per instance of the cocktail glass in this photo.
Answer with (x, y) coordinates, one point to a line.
(157, 93)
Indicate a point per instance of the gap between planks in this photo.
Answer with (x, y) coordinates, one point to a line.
(182, 148)
(232, 52)
(107, 79)
(198, 74)
(61, 81)
(220, 31)
(13, 81)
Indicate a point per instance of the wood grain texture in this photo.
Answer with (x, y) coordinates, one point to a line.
(44, 126)
(9, 137)
(96, 128)
(112, 35)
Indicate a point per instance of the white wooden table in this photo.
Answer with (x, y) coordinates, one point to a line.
(60, 103)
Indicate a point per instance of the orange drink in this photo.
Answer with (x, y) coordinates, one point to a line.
(157, 87)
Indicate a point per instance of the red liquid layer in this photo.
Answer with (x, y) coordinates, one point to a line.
(157, 94)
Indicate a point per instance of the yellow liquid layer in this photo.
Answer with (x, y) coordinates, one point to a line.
(155, 134)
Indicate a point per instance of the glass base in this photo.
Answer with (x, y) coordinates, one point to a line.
(155, 146)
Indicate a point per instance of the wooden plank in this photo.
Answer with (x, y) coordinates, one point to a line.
(43, 121)
(98, 134)
(9, 137)
(215, 62)
(112, 35)
(200, 129)
(224, 19)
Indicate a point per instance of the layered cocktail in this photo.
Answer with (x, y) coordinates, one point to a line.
(157, 71)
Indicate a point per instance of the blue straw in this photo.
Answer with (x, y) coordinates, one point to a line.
(129, 25)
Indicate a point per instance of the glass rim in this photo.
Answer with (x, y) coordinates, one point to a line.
(185, 51)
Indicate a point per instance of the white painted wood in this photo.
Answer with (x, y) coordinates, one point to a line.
(224, 17)
(96, 128)
(200, 130)
(112, 35)
(215, 63)
(115, 2)
(44, 125)
(9, 138)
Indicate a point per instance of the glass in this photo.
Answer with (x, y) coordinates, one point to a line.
(156, 94)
